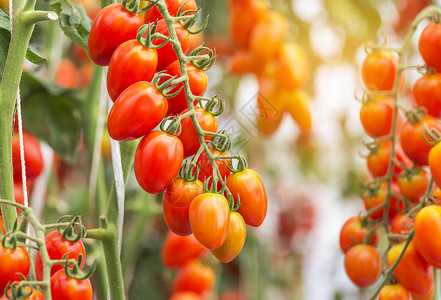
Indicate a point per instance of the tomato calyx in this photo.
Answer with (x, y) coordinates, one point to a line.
(147, 33)
(221, 142)
(172, 128)
(416, 115)
(167, 86)
(242, 164)
(431, 136)
(132, 6)
(203, 62)
(72, 267)
(188, 172)
(211, 105)
(16, 290)
(187, 23)
(68, 233)
(10, 240)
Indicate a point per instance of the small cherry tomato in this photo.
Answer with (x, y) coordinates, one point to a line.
(363, 265)
(414, 185)
(379, 70)
(376, 116)
(206, 169)
(67, 288)
(243, 62)
(178, 250)
(378, 161)
(353, 233)
(427, 92)
(36, 295)
(67, 75)
(394, 292)
(401, 224)
(427, 225)
(378, 197)
(32, 153)
(173, 6)
(429, 45)
(194, 277)
(435, 162)
(292, 66)
(235, 239)
(297, 104)
(13, 262)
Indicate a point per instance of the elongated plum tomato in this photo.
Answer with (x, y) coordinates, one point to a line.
(363, 265)
(353, 233)
(209, 216)
(173, 6)
(401, 224)
(427, 93)
(185, 296)
(197, 80)
(206, 170)
(376, 116)
(189, 136)
(394, 292)
(297, 104)
(131, 62)
(379, 70)
(292, 66)
(13, 263)
(112, 26)
(412, 272)
(435, 163)
(427, 225)
(33, 158)
(178, 250)
(429, 45)
(414, 185)
(158, 159)
(194, 277)
(249, 188)
(57, 247)
(235, 239)
(176, 202)
(67, 288)
(136, 112)
(428, 296)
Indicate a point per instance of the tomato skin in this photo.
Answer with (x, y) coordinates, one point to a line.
(412, 140)
(414, 187)
(435, 162)
(379, 70)
(428, 296)
(36, 295)
(131, 62)
(353, 230)
(189, 136)
(380, 197)
(66, 288)
(33, 158)
(2, 226)
(136, 112)
(185, 296)
(57, 247)
(401, 224)
(412, 272)
(297, 105)
(378, 162)
(243, 62)
(209, 216)
(158, 160)
(176, 202)
(67, 75)
(197, 80)
(292, 66)
(178, 250)
(427, 225)
(194, 277)
(173, 6)
(206, 170)
(249, 188)
(429, 45)
(112, 26)
(394, 292)
(13, 263)
(376, 116)
(235, 239)
(363, 265)
(427, 92)
(166, 54)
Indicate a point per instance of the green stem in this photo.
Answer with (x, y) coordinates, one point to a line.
(436, 295)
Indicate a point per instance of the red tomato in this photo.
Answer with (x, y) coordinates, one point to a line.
(166, 54)
(197, 79)
(401, 224)
(189, 136)
(248, 187)
(427, 225)
(158, 160)
(36, 295)
(2, 226)
(435, 162)
(428, 296)
(415, 185)
(185, 296)
(67, 288)
(209, 216)
(363, 265)
(176, 202)
(33, 158)
(194, 277)
(379, 197)
(378, 162)
(412, 140)
(13, 263)
(112, 26)
(18, 193)
(136, 112)
(67, 75)
(131, 62)
(412, 272)
(376, 116)
(173, 6)
(206, 170)
(235, 239)
(394, 292)
(427, 92)
(178, 250)
(429, 45)
(353, 233)
(57, 247)
(379, 70)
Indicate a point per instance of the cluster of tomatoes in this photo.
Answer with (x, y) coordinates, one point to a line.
(405, 157)
(281, 67)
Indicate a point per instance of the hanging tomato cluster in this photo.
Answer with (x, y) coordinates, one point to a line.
(405, 162)
(146, 84)
(281, 67)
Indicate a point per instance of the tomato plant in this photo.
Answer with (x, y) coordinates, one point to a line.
(173, 7)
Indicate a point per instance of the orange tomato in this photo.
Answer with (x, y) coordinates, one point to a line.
(235, 239)
(427, 226)
(194, 277)
(297, 104)
(292, 66)
(363, 265)
(394, 292)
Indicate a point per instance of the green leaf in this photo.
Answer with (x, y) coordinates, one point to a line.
(4, 20)
(73, 21)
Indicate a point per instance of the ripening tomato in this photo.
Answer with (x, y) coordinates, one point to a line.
(209, 216)
(197, 80)
(292, 66)
(166, 54)
(112, 26)
(185, 296)
(435, 163)
(401, 224)
(353, 233)
(136, 112)
(427, 92)
(189, 137)
(427, 225)
(13, 262)
(158, 160)
(412, 140)
(379, 197)
(429, 45)
(378, 162)
(270, 109)
(247, 186)
(394, 292)
(36, 295)
(194, 277)
(32, 153)
(176, 202)
(67, 75)
(178, 250)
(376, 116)
(297, 104)
(412, 272)
(363, 265)
(414, 185)
(57, 247)
(243, 62)
(67, 288)
(436, 196)
(379, 70)
(235, 239)
(173, 6)
(131, 62)
(428, 296)
(206, 170)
